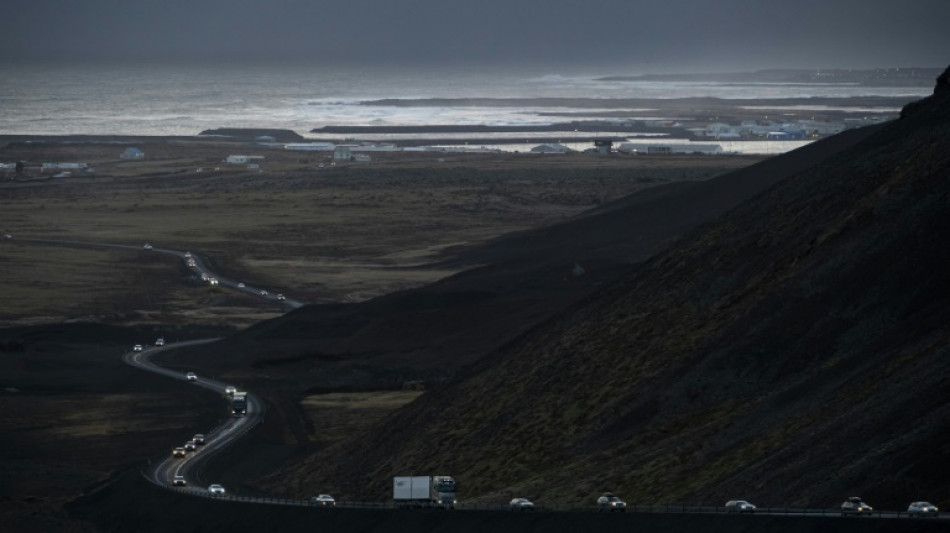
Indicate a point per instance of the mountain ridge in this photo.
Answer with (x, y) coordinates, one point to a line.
(777, 351)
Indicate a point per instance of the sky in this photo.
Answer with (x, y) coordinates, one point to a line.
(646, 35)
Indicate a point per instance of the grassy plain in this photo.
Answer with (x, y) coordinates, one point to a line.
(338, 233)
(73, 413)
(334, 416)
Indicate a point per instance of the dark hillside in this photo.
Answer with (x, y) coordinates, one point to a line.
(430, 332)
(795, 351)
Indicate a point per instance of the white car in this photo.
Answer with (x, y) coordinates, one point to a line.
(191, 446)
(179, 481)
(854, 505)
(281, 297)
(147, 246)
(521, 504)
(263, 293)
(323, 500)
(230, 390)
(611, 503)
(923, 509)
(199, 438)
(8, 236)
(137, 348)
(187, 254)
(213, 281)
(178, 452)
(241, 285)
(739, 506)
(191, 376)
(216, 490)
(160, 341)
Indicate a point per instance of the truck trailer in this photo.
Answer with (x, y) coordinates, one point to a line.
(424, 491)
(239, 404)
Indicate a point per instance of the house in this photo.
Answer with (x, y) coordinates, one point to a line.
(602, 146)
(343, 152)
(244, 159)
(551, 148)
(132, 154)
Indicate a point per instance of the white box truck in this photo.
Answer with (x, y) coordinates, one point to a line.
(424, 491)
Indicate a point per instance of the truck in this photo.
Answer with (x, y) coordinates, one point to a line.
(239, 404)
(424, 491)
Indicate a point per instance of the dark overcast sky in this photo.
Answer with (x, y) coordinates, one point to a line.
(651, 35)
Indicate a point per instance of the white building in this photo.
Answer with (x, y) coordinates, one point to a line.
(244, 159)
(55, 166)
(343, 151)
(311, 147)
(660, 149)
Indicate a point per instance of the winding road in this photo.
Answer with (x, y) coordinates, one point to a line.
(164, 472)
(200, 266)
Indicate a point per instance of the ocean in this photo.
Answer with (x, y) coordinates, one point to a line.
(130, 99)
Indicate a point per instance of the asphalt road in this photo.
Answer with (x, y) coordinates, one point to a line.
(200, 267)
(164, 472)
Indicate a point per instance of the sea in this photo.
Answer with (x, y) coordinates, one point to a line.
(184, 100)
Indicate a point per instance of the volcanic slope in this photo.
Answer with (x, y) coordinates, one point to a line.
(793, 352)
(517, 281)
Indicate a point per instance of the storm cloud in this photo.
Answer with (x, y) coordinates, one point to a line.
(655, 35)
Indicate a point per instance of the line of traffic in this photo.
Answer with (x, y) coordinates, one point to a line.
(176, 470)
(194, 261)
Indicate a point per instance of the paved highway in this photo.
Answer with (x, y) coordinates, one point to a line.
(200, 266)
(164, 472)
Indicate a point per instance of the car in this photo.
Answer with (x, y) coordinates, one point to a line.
(923, 509)
(137, 348)
(212, 281)
(241, 285)
(147, 246)
(521, 504)
(281, 297)
(739, 506)
(178, 452)
(216, 490)
(191, 446)
(609, 502)
(323, 500)
(263, 292)
(8, 236)
(188, 254)
(199, 438)
(191, 376)
(160, 341)
(179, 481)
(230, 390)
(854, 505)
